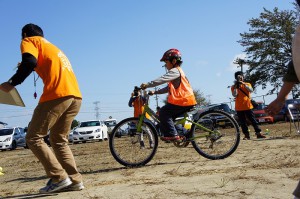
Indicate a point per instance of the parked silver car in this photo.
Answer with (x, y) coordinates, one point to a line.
(12, 137)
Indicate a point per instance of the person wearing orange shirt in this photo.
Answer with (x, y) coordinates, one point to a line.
(137, 101)
(58, 105)
(180, 94)
(241, 91)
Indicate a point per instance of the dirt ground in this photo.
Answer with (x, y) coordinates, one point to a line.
(259, 169)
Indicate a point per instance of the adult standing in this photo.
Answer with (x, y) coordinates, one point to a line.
(57, 107)
(242, 92)
(137, 101)
(291, 78)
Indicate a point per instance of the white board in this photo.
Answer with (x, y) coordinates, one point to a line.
(12, 98)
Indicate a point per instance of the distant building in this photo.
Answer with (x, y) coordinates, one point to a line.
(2, 124)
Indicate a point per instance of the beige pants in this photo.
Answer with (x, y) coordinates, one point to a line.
(56, 116)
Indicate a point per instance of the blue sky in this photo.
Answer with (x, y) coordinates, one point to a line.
(114, 45)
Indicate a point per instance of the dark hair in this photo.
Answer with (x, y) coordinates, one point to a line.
(178, 61)
(236, 74)
(32, 30)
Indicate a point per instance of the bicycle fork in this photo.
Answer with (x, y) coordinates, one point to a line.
(141, 138)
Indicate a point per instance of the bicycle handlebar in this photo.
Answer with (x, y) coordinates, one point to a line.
(136, 88)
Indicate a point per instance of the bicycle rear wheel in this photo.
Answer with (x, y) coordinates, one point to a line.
(223, 139)
(131, 148)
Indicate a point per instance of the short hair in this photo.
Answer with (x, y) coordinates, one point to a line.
(236, 74)
(32, 30)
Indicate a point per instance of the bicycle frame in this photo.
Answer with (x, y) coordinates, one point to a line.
(182, 121)
(136, 146)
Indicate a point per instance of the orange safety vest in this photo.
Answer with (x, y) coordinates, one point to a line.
(183, 95)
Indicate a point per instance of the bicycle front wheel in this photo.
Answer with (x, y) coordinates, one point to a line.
(216, 136)
(131, 148)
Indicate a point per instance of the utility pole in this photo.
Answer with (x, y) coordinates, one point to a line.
(240, 63)
(156, 98)
(97, 109)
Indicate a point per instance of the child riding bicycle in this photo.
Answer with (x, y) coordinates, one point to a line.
(180, 94)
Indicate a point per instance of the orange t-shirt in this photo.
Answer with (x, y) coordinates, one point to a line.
(138, 105)
(242, 102)
(53, 67)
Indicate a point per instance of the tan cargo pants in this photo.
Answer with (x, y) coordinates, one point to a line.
(56, 116)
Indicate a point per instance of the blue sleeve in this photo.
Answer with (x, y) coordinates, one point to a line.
(130, 101)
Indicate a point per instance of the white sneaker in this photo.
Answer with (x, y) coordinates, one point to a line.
(74, 187)
(53, 187)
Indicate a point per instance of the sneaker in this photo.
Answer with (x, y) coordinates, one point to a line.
(173, 138)
(53, 187)
(74, 187)
(260, 136)
(247, 137)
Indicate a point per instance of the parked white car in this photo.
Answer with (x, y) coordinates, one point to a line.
(12, 137)
(89, 131)
(71, 136)
(110, 123)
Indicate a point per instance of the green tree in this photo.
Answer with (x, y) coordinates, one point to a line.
(268, 46)
(74, 124)
(200, 98)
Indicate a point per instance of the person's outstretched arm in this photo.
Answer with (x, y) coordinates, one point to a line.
(275, 106)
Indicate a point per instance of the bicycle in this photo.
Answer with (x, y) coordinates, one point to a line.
(214, 134)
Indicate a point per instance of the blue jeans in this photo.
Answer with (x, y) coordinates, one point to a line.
(167, 114)
(243, 115)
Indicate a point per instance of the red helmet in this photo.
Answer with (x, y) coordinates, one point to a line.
(170, 54)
